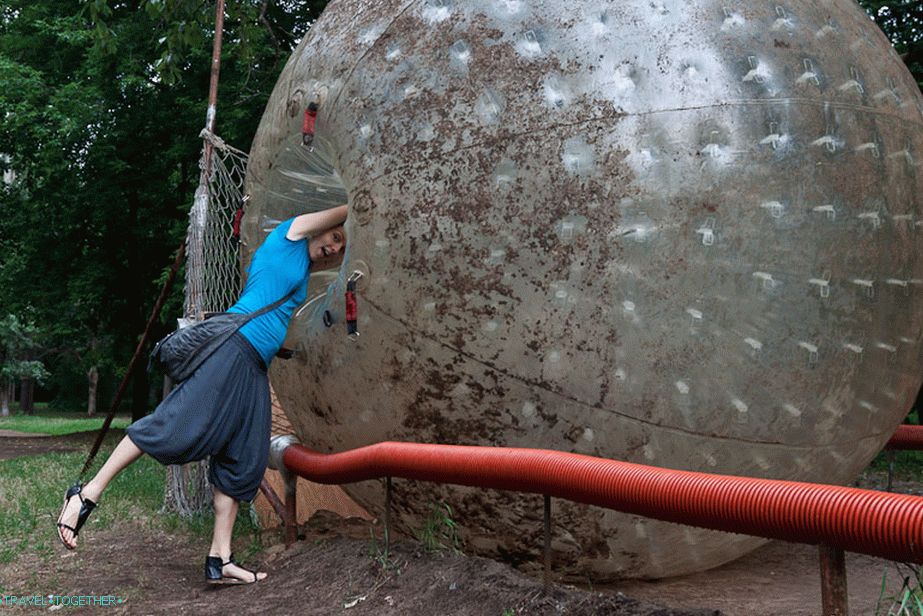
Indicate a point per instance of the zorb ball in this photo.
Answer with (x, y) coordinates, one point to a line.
(679, 233)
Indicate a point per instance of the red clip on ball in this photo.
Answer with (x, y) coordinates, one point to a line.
(307, 127)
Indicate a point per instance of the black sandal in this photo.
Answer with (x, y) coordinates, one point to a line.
(214, 571)
(86, 508)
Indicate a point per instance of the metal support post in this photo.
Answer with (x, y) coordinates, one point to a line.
(833, 581)
(291, 507)
(274, 501)
(388, 515)
(277, 447)
(890, 454)
(547, 542)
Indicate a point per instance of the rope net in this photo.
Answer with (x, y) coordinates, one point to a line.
(213, 282)
(212, 267)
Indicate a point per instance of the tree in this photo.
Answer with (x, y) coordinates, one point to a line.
(17, 339)
(99, 116)
(902, 22)
(254, 27)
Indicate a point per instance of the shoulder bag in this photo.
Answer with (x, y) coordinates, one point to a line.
(181, 352)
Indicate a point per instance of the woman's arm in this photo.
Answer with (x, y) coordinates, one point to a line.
(308, 225)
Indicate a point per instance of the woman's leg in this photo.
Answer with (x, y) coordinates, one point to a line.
(225, 514)
(124, 454)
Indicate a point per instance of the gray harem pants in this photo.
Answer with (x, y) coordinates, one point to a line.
(223, 411)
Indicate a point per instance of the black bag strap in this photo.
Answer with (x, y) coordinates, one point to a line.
(249, 317)
(246, 319)
(265, 309)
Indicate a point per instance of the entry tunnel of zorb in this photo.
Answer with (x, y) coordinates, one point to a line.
(677, 233)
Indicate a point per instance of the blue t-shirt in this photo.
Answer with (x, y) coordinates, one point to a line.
(279, 266)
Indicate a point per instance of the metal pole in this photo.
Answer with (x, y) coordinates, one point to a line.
(199, 213)
(547, 542)
(833, 581)
(274, 501)
(388, 516)
(890, 453)
(291, 524)
(213, 85)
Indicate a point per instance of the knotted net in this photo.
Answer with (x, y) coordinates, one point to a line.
(212, 266)
(213, 281)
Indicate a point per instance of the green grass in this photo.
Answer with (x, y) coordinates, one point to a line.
(909, 600)
(439, 531)
(57, 423)
(908, 465)
(32, 490)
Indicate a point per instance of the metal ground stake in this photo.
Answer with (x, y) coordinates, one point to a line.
(833, 581)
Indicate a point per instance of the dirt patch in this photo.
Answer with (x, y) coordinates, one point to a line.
(778, 579)
(337, 568)
(15, 444)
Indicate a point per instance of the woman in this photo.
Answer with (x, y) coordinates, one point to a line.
(223, 409)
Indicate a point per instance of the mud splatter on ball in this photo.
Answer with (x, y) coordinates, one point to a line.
(678, 233)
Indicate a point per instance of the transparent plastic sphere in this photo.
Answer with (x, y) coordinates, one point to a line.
(679, 233)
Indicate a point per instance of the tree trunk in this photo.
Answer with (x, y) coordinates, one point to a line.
(93, 384)
(5, 400)
(27, 396)
(139, 391)
(187, 491)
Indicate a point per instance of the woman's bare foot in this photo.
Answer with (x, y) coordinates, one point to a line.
(71, 512)
(69, 516)
(244, 575)
(233, 571)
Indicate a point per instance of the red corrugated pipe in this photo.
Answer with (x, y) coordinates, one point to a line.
(907, 437)
(876, 523)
